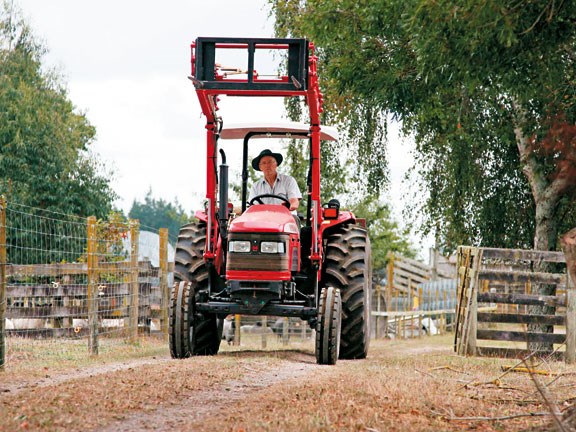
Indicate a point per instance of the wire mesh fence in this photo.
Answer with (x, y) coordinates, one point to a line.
(72, 285)
(267, 331)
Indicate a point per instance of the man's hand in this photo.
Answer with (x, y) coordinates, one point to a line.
(294, 203)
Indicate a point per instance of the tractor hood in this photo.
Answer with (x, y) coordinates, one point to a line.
(265, 218)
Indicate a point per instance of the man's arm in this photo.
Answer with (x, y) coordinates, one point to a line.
(294, 195)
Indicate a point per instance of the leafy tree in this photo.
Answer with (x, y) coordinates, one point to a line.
(46, 169)
(486, 89)
(158, 213)
(385, 234)
(44, 143)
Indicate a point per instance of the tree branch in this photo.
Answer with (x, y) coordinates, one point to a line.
(526, 158)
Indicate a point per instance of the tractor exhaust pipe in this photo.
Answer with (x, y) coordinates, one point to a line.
(223, 197)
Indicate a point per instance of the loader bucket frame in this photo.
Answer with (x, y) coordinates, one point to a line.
(210, 81)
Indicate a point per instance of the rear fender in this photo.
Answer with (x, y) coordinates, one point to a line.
(344, 216)
(201, 215)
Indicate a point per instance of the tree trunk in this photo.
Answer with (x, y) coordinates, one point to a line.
(546, 193)
(545, 235)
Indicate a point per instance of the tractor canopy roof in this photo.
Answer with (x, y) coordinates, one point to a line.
(261, 130)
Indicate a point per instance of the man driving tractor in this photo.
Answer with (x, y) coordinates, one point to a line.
(274, 183)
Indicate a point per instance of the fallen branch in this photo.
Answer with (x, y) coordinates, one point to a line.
(558, 376)
(495, 381)
(448, 368)
(527, 370)
(426, 373)
(508, 417)
(504, 400)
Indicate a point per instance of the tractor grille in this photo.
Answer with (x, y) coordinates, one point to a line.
(255, 259)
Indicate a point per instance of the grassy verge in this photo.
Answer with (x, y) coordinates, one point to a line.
(31, 359)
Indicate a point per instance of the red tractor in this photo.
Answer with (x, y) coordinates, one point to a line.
(263, 261)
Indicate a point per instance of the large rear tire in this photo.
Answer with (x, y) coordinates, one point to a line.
(191, 333)
(347, 266)
(328, 326)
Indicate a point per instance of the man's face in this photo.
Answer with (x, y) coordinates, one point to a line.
(268, 165)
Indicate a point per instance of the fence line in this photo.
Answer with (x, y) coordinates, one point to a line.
(81, 285)
(73, 282)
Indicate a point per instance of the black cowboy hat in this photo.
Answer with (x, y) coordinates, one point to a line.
(266, 152)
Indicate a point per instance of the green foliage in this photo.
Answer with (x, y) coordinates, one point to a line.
(460, 76)
(385, 234)
(44, 143)
(158, 213)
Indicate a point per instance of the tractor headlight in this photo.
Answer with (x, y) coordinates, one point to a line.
(272, 247)
(241, 246)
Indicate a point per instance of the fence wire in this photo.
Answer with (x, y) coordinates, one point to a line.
(75, 285)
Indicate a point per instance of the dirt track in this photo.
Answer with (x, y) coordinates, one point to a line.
(199, 406)
(416, 385)
(165, 394)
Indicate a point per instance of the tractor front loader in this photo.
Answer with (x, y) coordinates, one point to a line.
(264, 261)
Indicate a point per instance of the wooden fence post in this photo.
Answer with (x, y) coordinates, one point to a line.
(570, 322)
(390, 283)
(3, 262)
(471, 324)
(237, 325)
(164, 291)
(568, 243)
(134, 271)
(443, 315)
(92, 286)
(421, 308)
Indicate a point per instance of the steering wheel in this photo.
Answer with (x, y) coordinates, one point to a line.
(258, 199)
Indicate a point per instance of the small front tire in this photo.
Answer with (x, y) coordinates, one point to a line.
(328, 326)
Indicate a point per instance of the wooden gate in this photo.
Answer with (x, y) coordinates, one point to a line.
(505, 280)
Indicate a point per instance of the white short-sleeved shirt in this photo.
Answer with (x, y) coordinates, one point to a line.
(284, 185)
